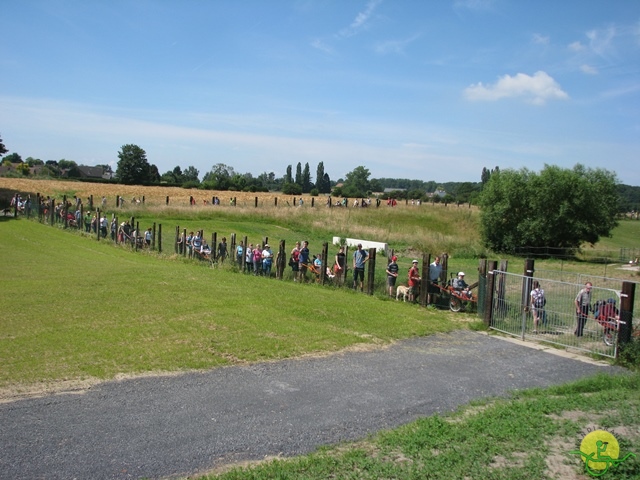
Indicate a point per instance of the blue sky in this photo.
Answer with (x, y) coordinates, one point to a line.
(429, 90)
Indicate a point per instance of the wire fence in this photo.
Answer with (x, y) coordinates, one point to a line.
(621, 255)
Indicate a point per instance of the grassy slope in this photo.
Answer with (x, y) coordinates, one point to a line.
(75, 308)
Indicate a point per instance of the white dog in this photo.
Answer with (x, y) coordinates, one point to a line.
(403, 292)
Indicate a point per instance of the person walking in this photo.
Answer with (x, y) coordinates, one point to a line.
(583, 304)
(538, 302)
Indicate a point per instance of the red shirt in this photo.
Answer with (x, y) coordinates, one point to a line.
(414, 275)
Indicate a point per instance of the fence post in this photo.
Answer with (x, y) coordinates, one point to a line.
(275, 202)
(244, 254)
(444, 261)
(324, 263)
(526, 289)
(424, 278)
(153, 237)
(52, 211)
(281, 259)
(232, 246)
(184, 242)
(135, 238)
(482, 285)
(626, 312)
(256, 202)
(159, 238)
(167, 200)
(501, 287)
(371, 272)
(97, 224)
(491, 282)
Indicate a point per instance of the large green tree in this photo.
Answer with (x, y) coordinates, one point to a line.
(306, 179)
(554, 208)
(219, 178)
(133, 167)
(3, 149)
(191, 174)
(356, 183)
(299, 174)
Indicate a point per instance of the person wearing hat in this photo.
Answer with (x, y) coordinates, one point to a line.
(392, 274)
(462, 286)
(267, 260)
(360, 257)
(414, 280)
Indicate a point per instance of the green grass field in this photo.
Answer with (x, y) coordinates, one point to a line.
(75, 309)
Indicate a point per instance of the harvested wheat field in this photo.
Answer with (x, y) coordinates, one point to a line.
(152, 195)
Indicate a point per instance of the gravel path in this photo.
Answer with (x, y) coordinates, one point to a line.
(179, 425)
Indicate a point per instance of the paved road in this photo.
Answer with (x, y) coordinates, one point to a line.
(178, 425)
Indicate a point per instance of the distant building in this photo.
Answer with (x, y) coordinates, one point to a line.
(438, 193)
(392, 189)
(94, 172)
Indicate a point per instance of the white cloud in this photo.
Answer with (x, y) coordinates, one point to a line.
(588, 69)
(322, 46)
(537, 89)
(360, 22)
(601, 40)
(395, 46)
(576, 46)
(474, 4)
(540, 39)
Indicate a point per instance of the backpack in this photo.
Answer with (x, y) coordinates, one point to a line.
(597, 307)
(540, 302)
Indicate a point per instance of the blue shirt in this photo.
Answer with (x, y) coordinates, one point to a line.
(359, 257)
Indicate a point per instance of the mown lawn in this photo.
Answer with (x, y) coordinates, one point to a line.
(74, 308)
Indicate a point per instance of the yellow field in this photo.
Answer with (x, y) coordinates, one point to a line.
(152, 195)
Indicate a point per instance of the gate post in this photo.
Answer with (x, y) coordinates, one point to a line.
(491, 282)
(482, 285)
(371, 272)
(526, 289)
(626, 312)
(425, 281)
(325, 263)
(281, 258)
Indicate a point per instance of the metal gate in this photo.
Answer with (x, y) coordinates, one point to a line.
(512, 314)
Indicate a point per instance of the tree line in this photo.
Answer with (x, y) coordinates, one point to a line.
(134, 168)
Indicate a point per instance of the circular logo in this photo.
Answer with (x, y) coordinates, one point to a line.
(599, 449)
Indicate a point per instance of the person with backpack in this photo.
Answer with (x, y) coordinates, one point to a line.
(538, 301)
